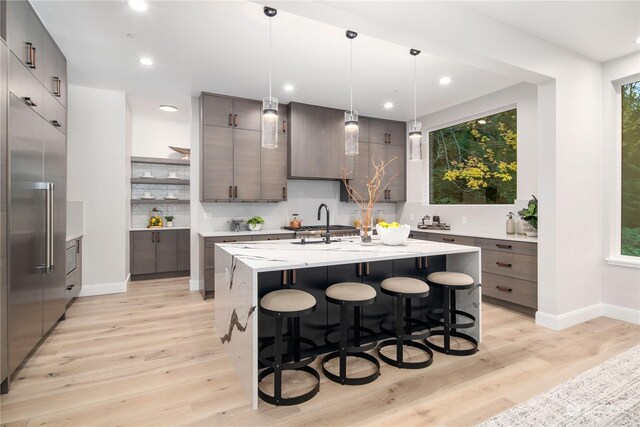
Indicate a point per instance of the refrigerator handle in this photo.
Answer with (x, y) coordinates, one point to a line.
(50, 211)
(46, 187)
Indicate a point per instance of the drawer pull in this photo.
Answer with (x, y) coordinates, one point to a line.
(503, 246)
(447, 239)
(69, 288)
(56, 123)
(29, 102)
(503, 264)
(503, 289)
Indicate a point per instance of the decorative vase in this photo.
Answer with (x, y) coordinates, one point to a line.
(255, 227)
(169, 223)
(366, 229)
(530, 230)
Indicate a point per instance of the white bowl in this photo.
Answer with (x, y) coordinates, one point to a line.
(393, 236)
(255, 227)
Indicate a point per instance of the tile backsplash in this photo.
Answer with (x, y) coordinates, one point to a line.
(159, 171)
(140, 214)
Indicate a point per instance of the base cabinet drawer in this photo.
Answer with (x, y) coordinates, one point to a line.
(519, 266)
(263, 237)
(419, 235)
(516, 291)
(524, 248)
(458, 240)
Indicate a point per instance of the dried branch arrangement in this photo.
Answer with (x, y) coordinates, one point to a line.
(375, 189)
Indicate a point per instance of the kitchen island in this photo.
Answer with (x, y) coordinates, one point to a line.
(246, 271)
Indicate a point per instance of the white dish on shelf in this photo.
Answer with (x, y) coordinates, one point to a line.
(148, 177)
(147, 198)
(172, 175)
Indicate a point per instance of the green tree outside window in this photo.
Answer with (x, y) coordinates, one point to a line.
(630, 244)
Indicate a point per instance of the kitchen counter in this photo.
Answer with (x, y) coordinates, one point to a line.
(243, 233)
(481, 234)
(73, 236)
(158, 229)
(245, 271)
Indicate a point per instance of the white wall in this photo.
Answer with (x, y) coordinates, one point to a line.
(128, 144)
(153, 134)
(96, 176)
(479, 217)
(620, 285)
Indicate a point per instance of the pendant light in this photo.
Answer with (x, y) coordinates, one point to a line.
(415, 127)
(351, 129)
(270, 104)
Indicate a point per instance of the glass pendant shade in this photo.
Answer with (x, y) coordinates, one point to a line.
(351, 132)
(415, 141)
(270, 122)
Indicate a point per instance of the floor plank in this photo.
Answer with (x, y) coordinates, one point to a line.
(151, 357)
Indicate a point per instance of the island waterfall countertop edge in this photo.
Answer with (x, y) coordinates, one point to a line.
(262, 256)
(243, 233)
(480, 234)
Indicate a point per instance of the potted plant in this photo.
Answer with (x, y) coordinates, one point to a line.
(169, 219)
(255, 223)
(530, 214)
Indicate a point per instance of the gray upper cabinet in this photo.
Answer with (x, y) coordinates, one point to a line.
(234, 165)
(397, 133)
(377, 131)
(387, 132)
(396, 191)
(25, 36)
(25, 85)
(316, 143)
(55, 70)
(217, 163)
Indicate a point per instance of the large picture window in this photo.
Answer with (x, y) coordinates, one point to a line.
(630, 244)
(475, 162)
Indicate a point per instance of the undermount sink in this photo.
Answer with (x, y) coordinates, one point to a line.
(307, 242)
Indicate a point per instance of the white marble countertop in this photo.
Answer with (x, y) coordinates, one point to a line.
(283, 254)
(73, 236)
(481, 234)
(157, 229)
(243, 233)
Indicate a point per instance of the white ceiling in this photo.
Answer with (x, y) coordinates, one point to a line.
(601, 30)
(222, 47)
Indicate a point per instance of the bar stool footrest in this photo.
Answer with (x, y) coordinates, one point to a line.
(368, 333)
(351, 381)
(405, 365)
(435, 315)
(391, 332)
(454, 352)
(288, 365)
(289, 401)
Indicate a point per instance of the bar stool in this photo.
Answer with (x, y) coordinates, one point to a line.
(287, 304)
(346, 295)
(403, 289)
(446, 316)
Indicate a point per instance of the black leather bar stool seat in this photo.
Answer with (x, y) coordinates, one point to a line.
(287, 304)
(403, 289)
(447, 316)
(347, 295)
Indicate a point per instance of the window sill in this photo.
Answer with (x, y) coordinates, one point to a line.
(624, 261)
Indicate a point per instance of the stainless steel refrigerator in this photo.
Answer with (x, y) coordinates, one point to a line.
(37, 226)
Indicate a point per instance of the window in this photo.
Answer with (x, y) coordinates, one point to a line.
(475, 162)
(630, 240)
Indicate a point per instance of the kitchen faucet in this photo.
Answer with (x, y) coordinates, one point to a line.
(327, 235)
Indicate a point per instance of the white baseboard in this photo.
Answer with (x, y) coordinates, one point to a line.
(104, 288)
(621, 313)
(194, 284)
(572, 318)
(567, 320)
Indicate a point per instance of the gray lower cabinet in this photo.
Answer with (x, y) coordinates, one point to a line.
(159, 251)
(234, 166)
(207, 256)
(73, 255)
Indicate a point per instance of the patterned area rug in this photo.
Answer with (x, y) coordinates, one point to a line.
(607, 395)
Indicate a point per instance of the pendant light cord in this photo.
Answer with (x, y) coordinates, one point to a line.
(270, 61)
(415, 88)
(351, 77)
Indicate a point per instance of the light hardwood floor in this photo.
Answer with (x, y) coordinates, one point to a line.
(151, 357)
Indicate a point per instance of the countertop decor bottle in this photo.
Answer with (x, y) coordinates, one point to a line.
(511, 224)
(520, 225)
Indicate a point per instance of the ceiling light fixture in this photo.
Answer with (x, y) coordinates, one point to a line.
(351, 128)
(270, 104)
(288, 88)
(145, 60)
(415, 127)
(445, 80)
(388, 105)
(168, 108)
(139, 5)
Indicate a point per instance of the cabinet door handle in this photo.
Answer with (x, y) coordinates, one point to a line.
(285, 278)
(294, 277)
(158, 237)
(503, 246)
(367, 268)
(153, 237)
(230, 119)
(29, 102)
(231, 191)
(284, 126)
(448, 239)
(359, 269)
(235, 120)
(503, 289)
(229, 241)
(56, 123)
(284, 192)
(389, 194)
(56, 87)
(31, 55)
(235, 192)
(503, 264)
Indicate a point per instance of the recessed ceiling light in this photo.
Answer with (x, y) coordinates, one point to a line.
(388, 105)
(145, 60)
(445, 80)
(168, 108)
(139, 5)
(288, 88)
(482, 122)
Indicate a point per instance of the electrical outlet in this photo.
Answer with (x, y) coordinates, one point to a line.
(464, 219)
